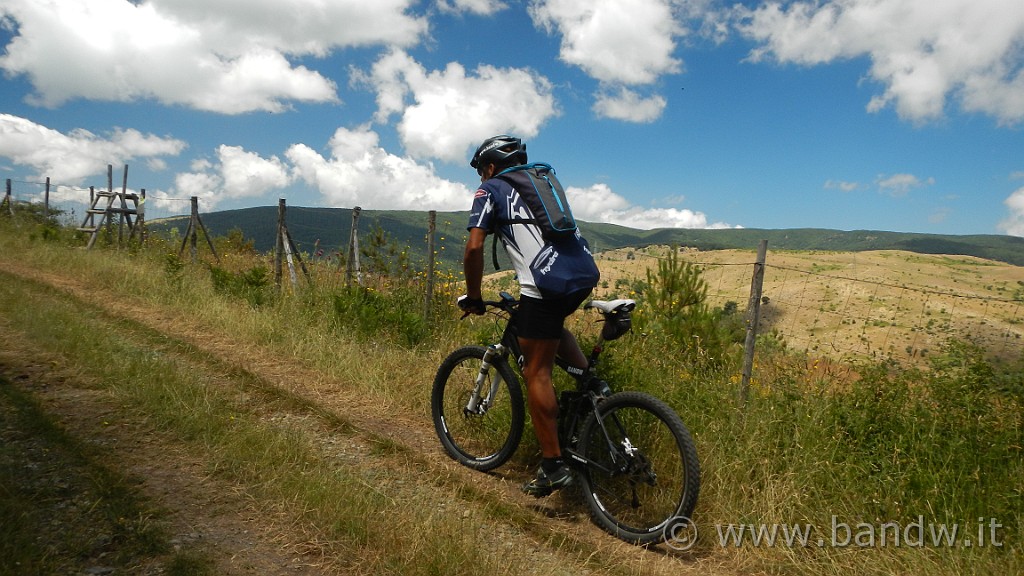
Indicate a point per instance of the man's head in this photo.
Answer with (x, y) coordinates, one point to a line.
(497, 153)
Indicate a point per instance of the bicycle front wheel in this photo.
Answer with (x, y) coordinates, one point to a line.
(479, 423)
(643, 475)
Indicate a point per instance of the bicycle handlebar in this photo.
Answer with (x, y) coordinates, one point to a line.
(507, 303)
(605, 307)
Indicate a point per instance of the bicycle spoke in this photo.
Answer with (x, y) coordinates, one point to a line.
(483, 437)
(643, 480)
(646, 492)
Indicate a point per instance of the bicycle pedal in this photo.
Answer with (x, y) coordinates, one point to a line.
(538, 493)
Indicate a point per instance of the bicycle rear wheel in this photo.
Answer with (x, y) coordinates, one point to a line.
(483, 433)
(644, 476)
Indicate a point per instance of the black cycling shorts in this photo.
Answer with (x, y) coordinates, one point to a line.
(544, 319)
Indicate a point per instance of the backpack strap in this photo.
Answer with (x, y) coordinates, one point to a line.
(494, 251)
(505, 175)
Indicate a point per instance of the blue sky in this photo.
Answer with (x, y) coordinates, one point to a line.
(902, 115)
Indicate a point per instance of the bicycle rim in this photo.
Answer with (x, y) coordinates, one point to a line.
(483, 439)
(636, 497)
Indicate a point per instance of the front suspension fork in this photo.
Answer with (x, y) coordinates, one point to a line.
(478, 404)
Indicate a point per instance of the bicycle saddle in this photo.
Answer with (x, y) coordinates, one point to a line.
(610, 306)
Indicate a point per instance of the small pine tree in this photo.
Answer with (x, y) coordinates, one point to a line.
(676, 296)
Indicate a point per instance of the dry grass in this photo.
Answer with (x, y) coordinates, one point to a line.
(856, 305)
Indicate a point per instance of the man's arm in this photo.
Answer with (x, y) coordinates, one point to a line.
(473, 262)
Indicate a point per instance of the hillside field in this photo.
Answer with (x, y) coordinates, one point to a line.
(856, 305)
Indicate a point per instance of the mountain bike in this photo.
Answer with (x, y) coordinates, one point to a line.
(634, 458)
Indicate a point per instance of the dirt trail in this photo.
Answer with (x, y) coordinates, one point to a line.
(237, 532)
(200, 513)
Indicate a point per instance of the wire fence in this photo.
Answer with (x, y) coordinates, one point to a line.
(846, 306)
(69, 203)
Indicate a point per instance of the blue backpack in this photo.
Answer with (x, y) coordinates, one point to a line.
(544, 196)
(565, 264)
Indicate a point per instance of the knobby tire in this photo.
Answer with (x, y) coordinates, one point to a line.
(661, 483)
(480, 441)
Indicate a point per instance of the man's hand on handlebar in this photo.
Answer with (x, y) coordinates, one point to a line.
(471, 305)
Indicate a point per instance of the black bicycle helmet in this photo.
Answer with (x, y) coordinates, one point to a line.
(503, 150)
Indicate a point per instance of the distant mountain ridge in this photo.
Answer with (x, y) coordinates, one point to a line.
(329, 229)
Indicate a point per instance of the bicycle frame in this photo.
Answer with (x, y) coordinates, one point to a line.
(509, 343)
(509, 346)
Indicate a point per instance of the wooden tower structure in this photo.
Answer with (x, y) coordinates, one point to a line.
(106, 206)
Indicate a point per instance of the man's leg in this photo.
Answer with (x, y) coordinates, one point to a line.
(542, 336)
(540, 392)
(540, 395)
(569, 350)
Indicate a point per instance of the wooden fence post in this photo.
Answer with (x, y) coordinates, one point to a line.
(46, 200)
(193, 221)
(194, 225)
(287, 246)
(7, 199)
(753, 319)
(429, 298)
(284, 241)
(140, 217)
(352, 265)
(123, 216)
(279, 245)
(110, 191)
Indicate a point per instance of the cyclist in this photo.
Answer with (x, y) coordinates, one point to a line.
(541, 319)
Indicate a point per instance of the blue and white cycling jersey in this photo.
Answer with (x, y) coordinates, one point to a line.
(543, 269)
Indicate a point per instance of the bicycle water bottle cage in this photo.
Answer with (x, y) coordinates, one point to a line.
(617, 316)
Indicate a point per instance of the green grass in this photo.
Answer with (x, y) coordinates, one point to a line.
(357, 510)
(65, 504)
(893, 446)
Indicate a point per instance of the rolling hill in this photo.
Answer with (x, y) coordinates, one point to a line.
(329, 229)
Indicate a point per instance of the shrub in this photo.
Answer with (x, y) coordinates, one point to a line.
(394, 314)
(675, 302)
(174, 268)
(947, 439)
(249, 285)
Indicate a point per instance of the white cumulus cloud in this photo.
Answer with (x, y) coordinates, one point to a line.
(901, 184)
(613, 41)
(841, 185)
(446, 112)
(480, 7)
(1014, 223)
(923, 52)
(249, 174)
(202, 184)
(626, 104)
(237, 173)
(359, 172)
(598, 203)
(72, 157)
(229, 56)
(618, 43)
